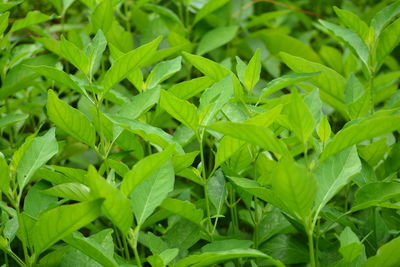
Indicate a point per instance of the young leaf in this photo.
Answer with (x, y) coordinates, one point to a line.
(227, 147)
(102, 16)
(387, 41)
(152, 191)
(94, 249)
(40, 150)
(353, 22)
(374, 194)
(254, 134)
(295, 187)
(384, 17)
(144, 168)
(181, 110)
(324, 129)
(163, 71)
(140, 103)
(71, 191)
(94, 51)
(33, 17)
(208, 8)
(386, 256)
(360, 131)
(216, 38)
(125, 64)
(182, 208)
(75, 56)
(334, 173)
(252, 72)
(188, 89)
(216, 190)
(116, 206)
(55, 224)
(4, 175)
(350, 245)
(70, 120)
(300, 117)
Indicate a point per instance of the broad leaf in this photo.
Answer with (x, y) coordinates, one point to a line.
(216, 38)
(374, 194)
(182, 208)
(163, 71)
(33, 17)
(217, 190)
(387, 255)
(252, 71)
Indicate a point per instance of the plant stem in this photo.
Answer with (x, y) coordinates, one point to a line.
(371, 91)
(132, 240)
(311, 247)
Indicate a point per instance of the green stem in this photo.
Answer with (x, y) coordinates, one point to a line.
(15, 257)
(311, 247)
(371, 91)
(132, 240)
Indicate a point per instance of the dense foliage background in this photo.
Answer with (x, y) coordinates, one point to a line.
(199, 133)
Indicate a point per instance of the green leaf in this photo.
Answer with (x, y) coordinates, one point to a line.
(181, 110)
(296, 188)
(71, 191)
(40, 150)
(75, 56)
(350, 38)
(102, 16)
(93, 248)
(387, 41)
(125, 64)
(162, 71)
(374, 194)
(94, 51)
(12, 119)
(252, 71)
(357, 132)
(208, 8)
(144, 168)
(8, 5)
(4, 22)
(4, 175)
(58, 76)
(215, 38)
(227, 147)
(251, 133)
(217, 190)
(350, 245)
(386, 256)
(152, 191)
(300, 117)
(188, 89)
(210, 258)
(140, 103)
(334, 173)
(356, 97)
(70, 120)
(116, 205)
(384, 17)
(330, 83)
(184, 209)
(33, 17)
(285, 81)
(324, 129)
(353, 22)
(55, 224)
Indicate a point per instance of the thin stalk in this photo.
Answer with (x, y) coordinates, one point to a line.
(132, 240)
(256, 223)
(311, 247)
(371, 91)
(126, 249)
(15, 258)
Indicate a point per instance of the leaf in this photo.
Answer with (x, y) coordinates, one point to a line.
(152, 191)
(92, 248)
(387, 41)
(58, 76)
(330, 83)
(227, 147)
(350, 38)
(70, 120)
(374, 194)
(71, 191)
(251, 133)
(55, 224)
(208, 8)
(384, 17)
(162, 71)
(140, 103)
(3, 22)
(102, 16)
(252, 71)
(125, 64)
(324, 129)
(33, 17)
(353, 22)
(217, 190)
(387, 255)
(210, 258)
(12, 119)
(40, 150)
(94, 51)
(184, 209)
(350, 245)
(188, 89)
(334, 173)
(144, 168)
(295, 187)
(356, 97)
(75, 55)
(116, 205)
(285, 81)
(215, 38)
(181, 110)
(357, 132)
(4, 175)
(300, 117)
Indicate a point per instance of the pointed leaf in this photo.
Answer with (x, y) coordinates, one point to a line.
(182, 208)
(252, 72)
(387, 255)
(217, 190)
(33, 17)
(216, 38)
